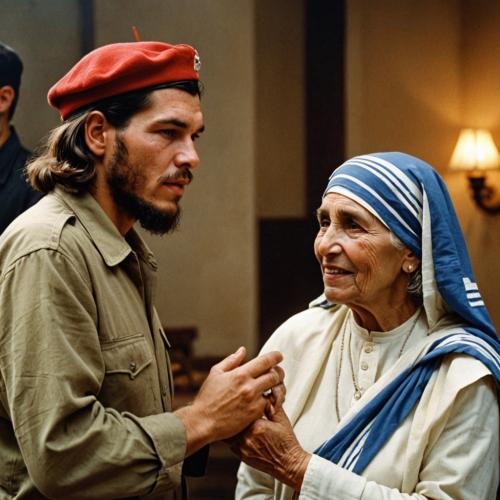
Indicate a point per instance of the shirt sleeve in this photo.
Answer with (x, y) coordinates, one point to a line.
(463, 463)
(51, 368)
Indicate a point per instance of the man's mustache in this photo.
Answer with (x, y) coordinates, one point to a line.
(184, 174)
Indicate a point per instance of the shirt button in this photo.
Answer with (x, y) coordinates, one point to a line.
(364, 366)
(132, 367)
(368, 348)
(164, 391)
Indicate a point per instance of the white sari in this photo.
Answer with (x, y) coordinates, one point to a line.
(455, 422)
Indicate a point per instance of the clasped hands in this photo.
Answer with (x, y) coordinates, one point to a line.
(233, 405)
(232, 397)
(269, 443)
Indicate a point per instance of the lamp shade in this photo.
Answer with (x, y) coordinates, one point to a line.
(475, 150)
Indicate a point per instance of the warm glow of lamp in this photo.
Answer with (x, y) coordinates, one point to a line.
(475, 150)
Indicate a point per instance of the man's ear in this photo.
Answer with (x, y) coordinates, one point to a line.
(99, 134)
(7, 94)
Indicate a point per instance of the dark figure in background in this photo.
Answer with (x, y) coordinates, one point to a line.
(16, 195)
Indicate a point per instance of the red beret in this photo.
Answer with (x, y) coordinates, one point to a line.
(121, 67)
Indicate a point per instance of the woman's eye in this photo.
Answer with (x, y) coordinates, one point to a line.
(324, 223)
(352, 224)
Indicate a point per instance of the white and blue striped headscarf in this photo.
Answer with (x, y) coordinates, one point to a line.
(410, 198)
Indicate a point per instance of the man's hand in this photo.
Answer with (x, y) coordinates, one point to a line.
(231, 398)
(270, 446)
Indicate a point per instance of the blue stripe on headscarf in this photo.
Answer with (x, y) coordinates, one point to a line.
(379, 190)
(355, 445)
(393, 181)
(411, 199)
(452, 268)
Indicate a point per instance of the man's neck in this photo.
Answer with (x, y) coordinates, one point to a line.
(103, 196)
(5, 130)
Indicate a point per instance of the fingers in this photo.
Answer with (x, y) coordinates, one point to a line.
(232, 361)
(280, 372)
(269, 380)
(279, 416)
(263, 363)
(275, 400)
(278, 396)
(265, 384)
(273, 448)
(231, 397)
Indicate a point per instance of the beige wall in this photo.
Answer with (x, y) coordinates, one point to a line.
(481, 69)
(403, 77)
(416, 73)
(208, 268)
(280, 118)
(252, 152)
(482, 233)
(46, 36)
(481, 108)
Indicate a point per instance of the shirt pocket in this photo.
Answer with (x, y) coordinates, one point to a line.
(130, 376)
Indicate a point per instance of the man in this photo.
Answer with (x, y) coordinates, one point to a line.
(85, 385)
(16, 195)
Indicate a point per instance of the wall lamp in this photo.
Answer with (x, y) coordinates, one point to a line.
(476, 153)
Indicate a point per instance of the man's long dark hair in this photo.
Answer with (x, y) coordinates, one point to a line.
(67, 161)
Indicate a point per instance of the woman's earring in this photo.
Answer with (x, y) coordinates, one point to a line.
(409, 269)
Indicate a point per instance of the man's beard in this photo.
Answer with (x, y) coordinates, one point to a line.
(123, 180)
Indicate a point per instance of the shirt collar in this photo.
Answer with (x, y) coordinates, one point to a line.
(113, 247)
(8, 154)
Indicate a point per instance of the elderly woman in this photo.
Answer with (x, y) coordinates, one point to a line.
(391, 374)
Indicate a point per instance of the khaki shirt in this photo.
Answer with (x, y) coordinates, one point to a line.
(85, 384)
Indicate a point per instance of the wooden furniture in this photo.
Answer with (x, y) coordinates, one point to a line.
(181, 355)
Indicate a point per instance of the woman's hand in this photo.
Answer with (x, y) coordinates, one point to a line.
(276, 396)
(231, 398)
(270, 446)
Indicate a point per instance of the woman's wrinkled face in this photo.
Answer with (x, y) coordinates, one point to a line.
(361, 266)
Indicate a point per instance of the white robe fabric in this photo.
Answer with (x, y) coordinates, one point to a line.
(447, 447)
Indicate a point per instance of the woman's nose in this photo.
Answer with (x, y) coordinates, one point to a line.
(330, 242)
